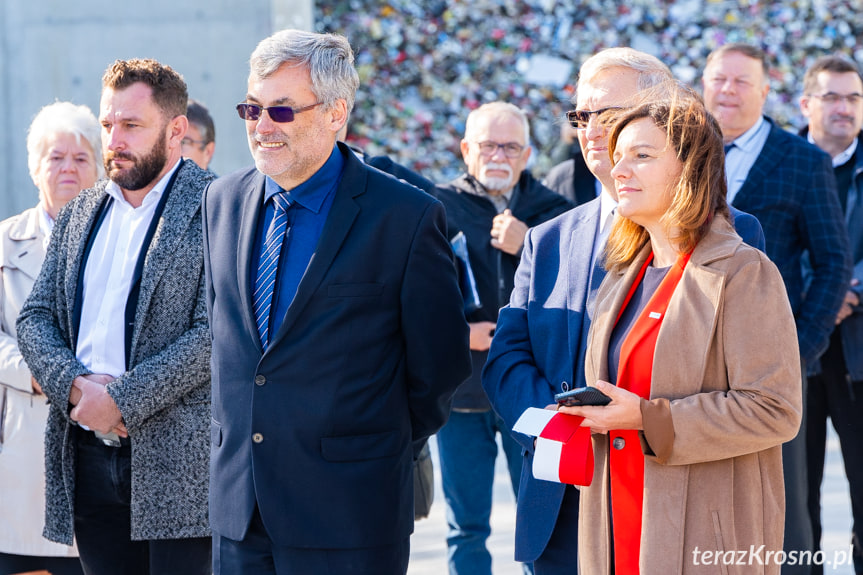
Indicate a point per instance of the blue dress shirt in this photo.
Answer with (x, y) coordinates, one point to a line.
(310, 206)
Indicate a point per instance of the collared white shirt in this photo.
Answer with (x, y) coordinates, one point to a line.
(108, 279)
(46, 224)
(740, 159)
(842, 157)
(606, 206)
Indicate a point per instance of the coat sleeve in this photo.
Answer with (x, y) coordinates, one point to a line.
(43, 338)
(13, 370)
(760, 405)
(511, 378)
(433, 325)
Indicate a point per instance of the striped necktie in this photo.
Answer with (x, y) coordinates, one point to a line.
(265, 281)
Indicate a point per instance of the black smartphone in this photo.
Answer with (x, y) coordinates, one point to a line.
(582, 396)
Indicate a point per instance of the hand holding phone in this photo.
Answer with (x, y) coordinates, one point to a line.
(582, 396)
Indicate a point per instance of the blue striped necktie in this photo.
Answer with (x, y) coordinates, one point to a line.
(265, 281)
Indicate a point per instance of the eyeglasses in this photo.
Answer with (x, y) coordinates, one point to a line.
(834, 98)
(580, 118)
(193, 142)
(510, 149)
(278, 114)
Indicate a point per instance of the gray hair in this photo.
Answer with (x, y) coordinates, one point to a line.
(494, 108)
(328, 58)
(63, 118)
(651, 71)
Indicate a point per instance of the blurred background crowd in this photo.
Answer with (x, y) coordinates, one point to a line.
(424, 65)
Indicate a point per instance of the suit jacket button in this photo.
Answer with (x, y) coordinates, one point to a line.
(258, 437)
(260, 379)
(618, 443)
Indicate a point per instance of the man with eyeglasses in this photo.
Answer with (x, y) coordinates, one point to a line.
(337, 327)
(492, 204)
(199, 144)
(788, 184)
(832, 101)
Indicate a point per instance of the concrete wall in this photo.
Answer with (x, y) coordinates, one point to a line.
(57, 50)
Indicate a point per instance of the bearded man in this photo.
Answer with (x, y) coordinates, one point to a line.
(116, 333)
(493, 204)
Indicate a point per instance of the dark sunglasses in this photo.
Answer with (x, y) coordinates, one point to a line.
(278, 114)
(580, 118)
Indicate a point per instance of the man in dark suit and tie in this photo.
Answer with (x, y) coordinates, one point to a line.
(541, 337)
(832, 101)
(115, 331)
(338, 331)
(788, 184)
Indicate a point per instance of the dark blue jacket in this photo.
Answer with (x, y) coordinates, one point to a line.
(321, 430)
(532, 203)
(791, 189)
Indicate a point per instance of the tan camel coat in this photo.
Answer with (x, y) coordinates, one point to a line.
(725, 394)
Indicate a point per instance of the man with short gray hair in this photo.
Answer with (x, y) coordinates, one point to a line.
(338, 332)
(493, 205)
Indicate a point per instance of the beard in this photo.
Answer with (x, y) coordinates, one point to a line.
(496, 184)
(145, 168)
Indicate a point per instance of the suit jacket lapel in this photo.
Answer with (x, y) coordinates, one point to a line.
(339, 222)
(250, 212)
(771, 154)
(579, 276)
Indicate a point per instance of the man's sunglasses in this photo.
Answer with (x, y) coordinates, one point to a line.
(580, 118)
(278, 114)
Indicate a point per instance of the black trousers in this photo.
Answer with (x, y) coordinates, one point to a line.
(798, 528)
(256, 555)
(832, 394)
(10, 564)
(103, 490)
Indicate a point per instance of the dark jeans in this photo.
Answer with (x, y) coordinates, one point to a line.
(55, 565)
(256, 555)
(103, 489)
(832, 394)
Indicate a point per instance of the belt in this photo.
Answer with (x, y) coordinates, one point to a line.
(90, 437)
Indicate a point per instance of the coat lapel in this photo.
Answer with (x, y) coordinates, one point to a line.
(339, 222)
(26, 252)
(180, 208)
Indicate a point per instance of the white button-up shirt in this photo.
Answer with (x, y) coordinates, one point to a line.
(108, 279)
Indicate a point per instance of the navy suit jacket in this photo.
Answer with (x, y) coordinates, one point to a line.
(791, 189)
(539, 343)
(321, 430)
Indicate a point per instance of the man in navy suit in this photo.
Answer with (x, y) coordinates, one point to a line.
(338, 331)
(788, 184)
(832, 101)
(541, 336)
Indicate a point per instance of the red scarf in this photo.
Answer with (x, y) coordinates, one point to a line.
(627, 464)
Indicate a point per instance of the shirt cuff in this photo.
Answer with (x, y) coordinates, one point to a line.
(657, 436)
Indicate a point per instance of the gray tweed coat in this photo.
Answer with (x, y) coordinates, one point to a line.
(165, 395)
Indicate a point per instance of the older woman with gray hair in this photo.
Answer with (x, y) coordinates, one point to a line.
(64, 157)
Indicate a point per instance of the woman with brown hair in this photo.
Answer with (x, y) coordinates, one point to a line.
(694, 341)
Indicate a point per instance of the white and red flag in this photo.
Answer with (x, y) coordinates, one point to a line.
(563, 450)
